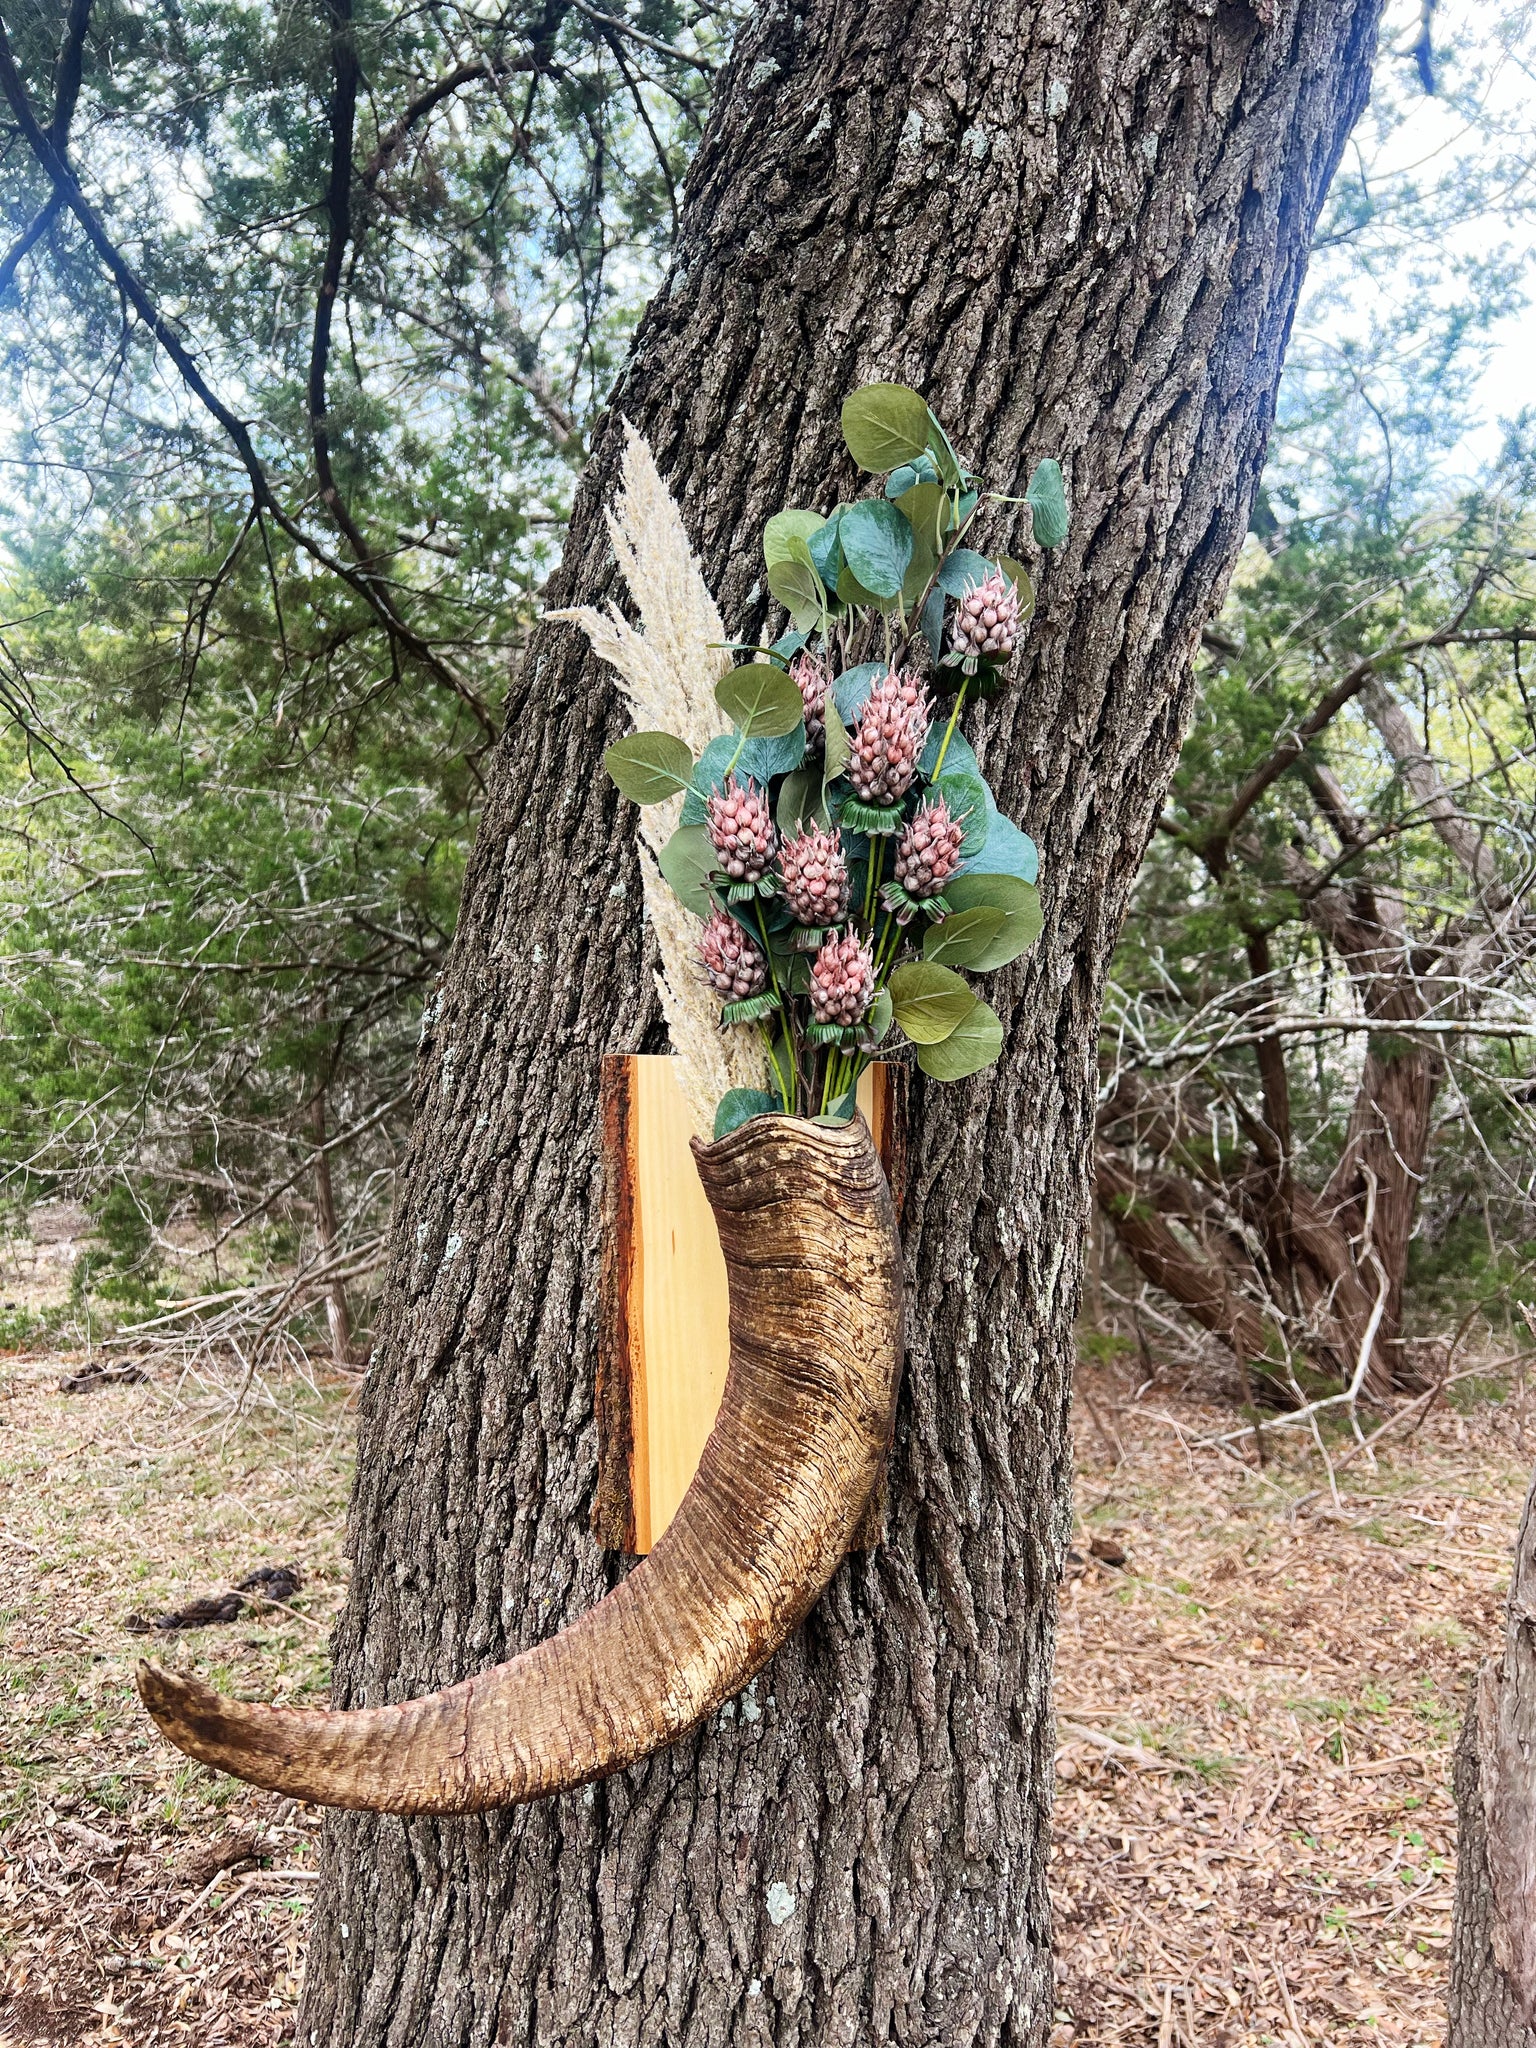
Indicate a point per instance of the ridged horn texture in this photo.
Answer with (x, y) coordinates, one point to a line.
(812, 1257)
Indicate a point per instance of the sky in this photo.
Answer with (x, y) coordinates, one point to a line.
(1452, 184)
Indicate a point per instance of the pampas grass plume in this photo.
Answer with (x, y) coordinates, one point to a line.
(668, 668)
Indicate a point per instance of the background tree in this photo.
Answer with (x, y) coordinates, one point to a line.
(1331, 947)
(305, 316)
(1348, 839)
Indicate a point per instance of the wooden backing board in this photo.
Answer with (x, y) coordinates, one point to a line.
(665, 1341)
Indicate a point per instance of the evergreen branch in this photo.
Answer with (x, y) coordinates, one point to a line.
(56, 165)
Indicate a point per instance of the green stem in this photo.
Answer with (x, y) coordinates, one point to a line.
(872, 879)
(949, 730)
(773, 1060)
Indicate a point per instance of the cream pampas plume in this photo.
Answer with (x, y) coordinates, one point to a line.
(668, 668)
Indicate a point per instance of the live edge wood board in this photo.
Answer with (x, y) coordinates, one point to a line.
(664, 1343)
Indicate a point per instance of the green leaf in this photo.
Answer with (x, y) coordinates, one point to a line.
(942, 449)
(760, 762)
(800, 802)
(760, 701)
(964, 570)
(882, 1013)
(740, 1105)
(1018, 576)
(920, 571)
(1047, 500)
(884, 425)
(966, 795)
(825, 550)
(1009, 851)
(877, 544)
(650, 766)
(927, 507)
(851, 591)
(784, 527)
(839, 749)
(799, 589)
(974, 1043)
(958, 760)
(965, 937)
(1018, 904)
(852, 688)
(928, 1002)
(686, 860)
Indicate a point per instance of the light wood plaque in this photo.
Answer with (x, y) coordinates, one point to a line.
(665, 1339)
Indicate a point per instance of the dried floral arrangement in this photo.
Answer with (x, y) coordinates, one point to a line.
(818, 816)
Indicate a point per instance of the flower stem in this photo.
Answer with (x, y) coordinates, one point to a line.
(949, 730)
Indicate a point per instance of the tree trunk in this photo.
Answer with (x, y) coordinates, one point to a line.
(1493, 1938)
(1079, 233)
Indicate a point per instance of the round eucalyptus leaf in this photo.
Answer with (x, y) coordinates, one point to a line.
(650, 766)
(824, 548)
(965, 936)
(784, 527)
(966, 795)
(687, 860)
(798, 588)
(928, 1002)
(1018, 576)
(1047, 499)
(927, 507)
(884, 426)
(1009, 851)
(800, 802)
(1018, 904)
(740, 1105)
(876, 540)
(851, 689)
(964, 570)
(760, 701)
(974, 1043)
(882, 1014)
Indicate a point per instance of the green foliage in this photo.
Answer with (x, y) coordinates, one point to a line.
(873, 575)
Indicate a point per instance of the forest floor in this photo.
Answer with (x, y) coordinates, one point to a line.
(1257, 1712)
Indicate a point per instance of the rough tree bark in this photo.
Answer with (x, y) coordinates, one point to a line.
(1079, 232)
(1493, 1939)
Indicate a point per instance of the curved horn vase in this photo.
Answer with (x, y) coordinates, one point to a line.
(812, 1257)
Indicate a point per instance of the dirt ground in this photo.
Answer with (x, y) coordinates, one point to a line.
(1257, 1710)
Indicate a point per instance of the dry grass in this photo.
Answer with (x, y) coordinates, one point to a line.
(142, 1899)
(1255, 1834)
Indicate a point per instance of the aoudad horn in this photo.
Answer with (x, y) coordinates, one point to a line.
(812, 1256)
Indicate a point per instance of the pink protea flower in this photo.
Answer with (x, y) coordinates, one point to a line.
(736, 965)
(987, 619)
(815, 877)
(741, 830)
(814, 680)
(842, 981)
(928, 851)
(892, 730)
